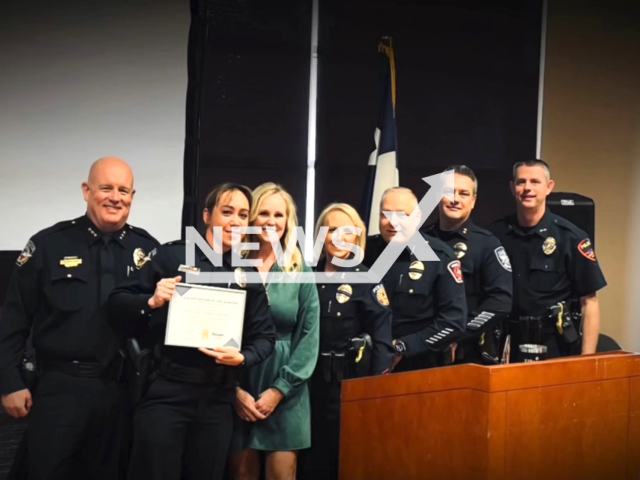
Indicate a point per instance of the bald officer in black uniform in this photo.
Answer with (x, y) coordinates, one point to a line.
(553, 263)
(485, 267)
(58, 291)
(427, 298)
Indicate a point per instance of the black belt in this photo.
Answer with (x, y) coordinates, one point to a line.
(213, 376)
(73, 367)
(545, 323)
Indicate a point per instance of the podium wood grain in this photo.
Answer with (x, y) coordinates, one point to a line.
(573, 418)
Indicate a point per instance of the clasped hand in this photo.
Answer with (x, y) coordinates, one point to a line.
(251, 410)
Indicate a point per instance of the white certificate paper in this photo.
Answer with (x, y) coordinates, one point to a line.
(201, 316)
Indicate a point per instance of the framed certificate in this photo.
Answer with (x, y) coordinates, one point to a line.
(202, 316)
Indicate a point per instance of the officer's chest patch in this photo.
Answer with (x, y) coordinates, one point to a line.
(503, 258)
(455, 269)
(586, 249)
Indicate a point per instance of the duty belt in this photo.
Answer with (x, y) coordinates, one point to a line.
(73, 367)
(225, 377)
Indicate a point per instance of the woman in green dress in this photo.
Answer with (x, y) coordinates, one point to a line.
(272, 401)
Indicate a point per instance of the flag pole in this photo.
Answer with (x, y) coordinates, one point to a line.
(311, 137)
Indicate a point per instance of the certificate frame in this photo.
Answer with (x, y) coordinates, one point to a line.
(199, 316)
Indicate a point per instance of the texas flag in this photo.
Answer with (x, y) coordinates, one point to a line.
(383, 161)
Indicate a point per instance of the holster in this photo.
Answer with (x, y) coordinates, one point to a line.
(359, 355)
(140, 371)
(489, 347)
(562, 317)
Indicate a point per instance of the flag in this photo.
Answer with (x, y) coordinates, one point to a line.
(383, 161)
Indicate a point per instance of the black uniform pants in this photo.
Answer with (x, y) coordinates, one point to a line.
(321, 461)
(75, 428)
(182, 431)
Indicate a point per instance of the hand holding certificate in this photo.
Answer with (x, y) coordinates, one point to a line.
(209, 317)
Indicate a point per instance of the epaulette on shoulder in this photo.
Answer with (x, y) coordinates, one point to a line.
(142, 232)
(567, 225)
(437, 244)
(481, 230)
(58, 227)
(176, 242)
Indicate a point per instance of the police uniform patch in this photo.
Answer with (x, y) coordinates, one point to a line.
(416, 269)
(549, 245)
(381, 295)
(586, 249)
(343, 295)
(460, 249)
(241, 277)
(503, 258)
(26, 254)
(455, 269)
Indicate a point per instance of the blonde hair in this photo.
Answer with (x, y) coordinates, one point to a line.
(259, 194)
(350, 212)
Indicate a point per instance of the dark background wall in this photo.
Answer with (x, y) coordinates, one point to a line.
(467, 88)
(466, 93)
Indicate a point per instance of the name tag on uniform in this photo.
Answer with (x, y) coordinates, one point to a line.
(70, 262)
(188, 269)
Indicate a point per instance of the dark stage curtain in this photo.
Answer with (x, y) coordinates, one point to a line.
(249, 77)
(467, 92)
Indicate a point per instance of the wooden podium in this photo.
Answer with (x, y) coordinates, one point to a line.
(572, 418)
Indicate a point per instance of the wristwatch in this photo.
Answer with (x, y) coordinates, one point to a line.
(399, 347)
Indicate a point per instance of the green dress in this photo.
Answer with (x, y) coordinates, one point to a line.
(295, 309)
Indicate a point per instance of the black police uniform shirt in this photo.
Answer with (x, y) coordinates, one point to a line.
(129, 303)
(57, 289)
(552, 262)
(347, 310)
(427, 298)
(486, 271)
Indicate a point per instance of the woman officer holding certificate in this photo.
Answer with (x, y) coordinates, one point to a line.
(273, 398)
(183, 423)
(355, 338)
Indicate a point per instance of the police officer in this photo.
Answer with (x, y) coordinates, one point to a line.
(62, 280)
(427, 298)
(355, 340)
(183, 423)
(485, 267)
(556, 275)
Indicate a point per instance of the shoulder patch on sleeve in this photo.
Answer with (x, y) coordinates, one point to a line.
(455, 269)
(26, 254)
(380, 294)
(586, 249)
(503, 258)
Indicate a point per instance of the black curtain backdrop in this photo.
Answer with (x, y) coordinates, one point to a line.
(467, 92)
(254, 96)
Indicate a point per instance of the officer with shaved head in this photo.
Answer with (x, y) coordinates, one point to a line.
(57, 292)
(427, 297)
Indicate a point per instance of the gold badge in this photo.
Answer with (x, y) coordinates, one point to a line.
(549, 245)
(416, 269)
(344, 293)
(381, 295)
(460, 249)
(71, 262)
(241, 277)
(205, 334)
(139, 257)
